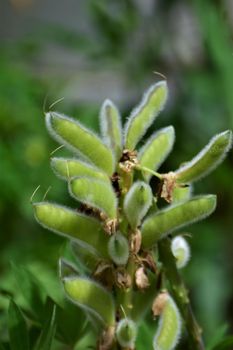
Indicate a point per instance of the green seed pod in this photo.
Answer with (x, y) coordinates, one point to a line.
(163, 222)
(181, 251)
(181, 194)
(207, 160)
(67, 269)
(126, 333)
(80, 140)
(110, 123)
(69, 223)
(169, 328)
(118, 249)
(87, 258)
(156, 150)
(91, 296)
(95, 193)
(66, 168)
(137, 202)
(143, 115)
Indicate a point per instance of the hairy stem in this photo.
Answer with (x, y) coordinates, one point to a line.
(180, 294)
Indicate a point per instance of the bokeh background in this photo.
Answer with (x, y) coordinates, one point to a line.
(82, 51)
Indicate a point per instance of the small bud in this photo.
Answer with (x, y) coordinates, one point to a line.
(159, 303)
(141, 278)
(181, 251)
(118, 249)
(126, 333)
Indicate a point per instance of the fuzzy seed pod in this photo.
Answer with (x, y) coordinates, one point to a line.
(126, 333)
(169, 328)
(137, 202)
(181, 251)
(118, 249)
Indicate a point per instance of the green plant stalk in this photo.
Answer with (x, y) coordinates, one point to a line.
(180, 294)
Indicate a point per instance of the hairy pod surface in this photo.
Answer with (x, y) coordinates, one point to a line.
(181, 251)
(207, 160)
(156, 149)
(137, 202)
(95, 193)
(111, 129)
(163, 222)
(145, 113)
(169, 328)
(80, 140)
(91, 296)
(69, 223)
(66, 168)
(181, 194)
(126, 333)
(118, 249)
(67, 269)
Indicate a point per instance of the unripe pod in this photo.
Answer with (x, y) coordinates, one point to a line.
(126, 333)
(137, 202)
(118, 249)
(169, 327)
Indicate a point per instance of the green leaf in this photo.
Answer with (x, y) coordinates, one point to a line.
(31, 289)
(156, 149)
(66, 168)
(80, 140)
(17, 328)
(91, 296)
(48, 332)
(88, 258)
(137, 202)
(96, 193)
(169, 328)
(206, 160)
(226, 344)
(110, 122)
(163, 222)
(71, 224)
(143, 115)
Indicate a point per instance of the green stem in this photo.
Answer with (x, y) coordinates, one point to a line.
(180, 295)
(143, 168)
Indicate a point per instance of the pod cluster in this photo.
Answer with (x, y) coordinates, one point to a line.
(120, 218)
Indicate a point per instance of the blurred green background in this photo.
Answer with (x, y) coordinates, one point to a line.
(83, 52)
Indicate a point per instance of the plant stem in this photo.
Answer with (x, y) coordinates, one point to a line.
(143, 168)
(180, 295)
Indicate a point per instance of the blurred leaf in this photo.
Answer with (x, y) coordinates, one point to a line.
(17, 328)
(48, 332)
(226, 344)
(31, 290)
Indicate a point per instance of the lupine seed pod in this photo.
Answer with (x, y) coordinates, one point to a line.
(66, 168)
(69, 223)
(111, 129)
(80, 140)
(87, 258)
(163, 222)
(181, 194)
(126, 333)
(181, 251)
(156, 149)
(169, 328)
(137, 202)
(118, 249)
(67, 269)
(207, 160)
(95, 193)
(91, 296)
(145, 113)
